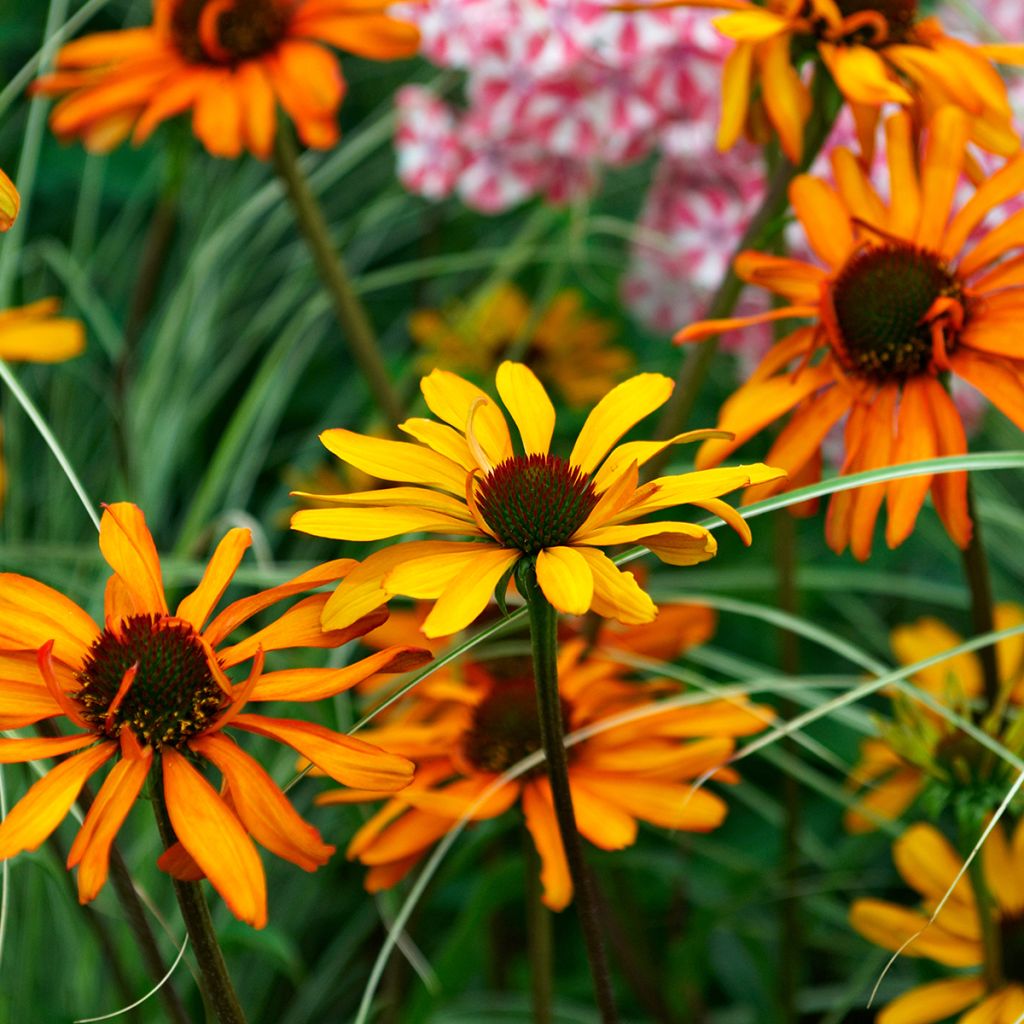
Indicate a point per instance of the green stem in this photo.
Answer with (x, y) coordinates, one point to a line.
(791, 923)
(979, 582)
(695, 369)
(991, 943)
(538, 935)
(544, 637)
(349, 310)
(218, 990)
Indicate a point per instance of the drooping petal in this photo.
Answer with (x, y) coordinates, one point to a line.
(539, 811)
(915, 440)
(261, 806)
(566, 580)
(617, 595)
(468, 592)
(890, 926)
(934, 1002)
(32, 613)
(34, 817)
(213, 836)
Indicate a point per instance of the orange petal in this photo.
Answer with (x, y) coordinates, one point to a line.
(348, 760)
(262, 807)
(206, 827)
(128, 547)
(32, 613)
(198, 605)
(539, 811)
(34, 817)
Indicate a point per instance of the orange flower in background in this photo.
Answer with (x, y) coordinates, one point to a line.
(929, 864)
(10, 202)
(231, 62)
(469, 481)
(470, 728)
(35, 334)
(903, 300)
(566, 347)
(149, 689)
(919, 745)
(877, 52)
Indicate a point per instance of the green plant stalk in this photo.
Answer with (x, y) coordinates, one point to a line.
(695, 369)
(349, 310)
(979, 582)
(217, 987)
(538, 935)
(544, 638)
(991, 943)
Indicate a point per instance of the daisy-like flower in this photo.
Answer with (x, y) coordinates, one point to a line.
(10, 202)
(904, 299)
(928, 864)
(919, 746)
(469, 729)
(149, 690)
(567, 347)
(469, 481)
(877, 52)
(231, 62)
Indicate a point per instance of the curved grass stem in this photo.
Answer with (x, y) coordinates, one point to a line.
(544, 637)
(349, 310)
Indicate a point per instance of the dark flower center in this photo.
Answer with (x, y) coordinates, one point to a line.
(505, 728)
(880, 300)
(1011, 935)
(900, 15)
(228, 31)
(173, 696)
(535, 501)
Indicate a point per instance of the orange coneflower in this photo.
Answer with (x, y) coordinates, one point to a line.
(231, 62)
(877, 51)
(469, 480)
(904, 300)
(929, 864)
(10, 202)
(150, 689)
(469, 729)
(919, 746)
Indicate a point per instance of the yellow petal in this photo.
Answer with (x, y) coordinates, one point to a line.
(40, 339)
(468, 592)
(925, 859)
(525, 398)
(363, 524)
(451, 398)
(889, 926)
(10, 202)
(934, 1002)
(427, 576)
(566, 579)
(621, 409)
(617, 595)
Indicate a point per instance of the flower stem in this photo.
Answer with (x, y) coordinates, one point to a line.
(991, 944)
(538, 934)
(350, 312)
(723, 302)
(218, 990)
(979, 582)
(544, 637)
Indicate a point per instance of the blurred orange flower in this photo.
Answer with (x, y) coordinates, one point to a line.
(149, 688)
(10, 202)
(905, 298)
(468, 729)
(231, 62)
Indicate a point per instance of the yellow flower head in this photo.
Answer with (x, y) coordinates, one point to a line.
(470, 481)
(905, 297)
(929, 864)
(10, 202)
(877, 52)
(919, 745)
(233, 63)
(567, 347)
(150, 689)
(470, 727)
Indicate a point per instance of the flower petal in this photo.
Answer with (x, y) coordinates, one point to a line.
(468, 592)
(346, 759)
(214, 837)
(934, 1002)
(525, 398)
(617, 595)
(565, 577)
(128, 547)
(31, 614)
(452, 399)
(198, 605)
(261, 806)
(539, 811)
